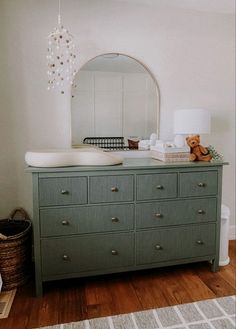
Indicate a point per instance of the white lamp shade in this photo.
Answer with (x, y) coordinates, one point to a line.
(192, 121)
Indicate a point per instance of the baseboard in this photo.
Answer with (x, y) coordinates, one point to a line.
(232, 232)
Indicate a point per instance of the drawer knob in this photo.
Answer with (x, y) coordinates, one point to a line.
(201, 212)
(64, 192)
(114, 252)
(65, 257)
(158, 215)
(158, 247)
(114, 189)
(159, 187)
(201, 184)
(199, 242)
(65, 222)
(115, 220)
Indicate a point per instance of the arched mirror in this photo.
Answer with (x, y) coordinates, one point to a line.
(114, 95)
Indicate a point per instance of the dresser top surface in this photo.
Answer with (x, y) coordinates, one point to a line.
(130, 163)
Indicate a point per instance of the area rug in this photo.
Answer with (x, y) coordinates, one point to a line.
(6, 300)
(216, 313)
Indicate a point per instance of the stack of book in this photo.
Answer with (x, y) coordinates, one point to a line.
(169, 153)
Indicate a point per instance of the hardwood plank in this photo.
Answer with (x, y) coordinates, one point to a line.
(100, 310)
(124, 297)
(97, 291)
(48, 313)
(197, 289)
(228, 273)
(147, 290)
(174, 285)
(173, 290)
(217, 284)
(16, 323)
(232, 252)
(71, 300)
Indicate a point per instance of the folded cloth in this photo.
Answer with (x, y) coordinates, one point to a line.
(169, 148)
(144, 144)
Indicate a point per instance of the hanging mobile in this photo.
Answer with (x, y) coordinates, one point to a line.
(61, 57)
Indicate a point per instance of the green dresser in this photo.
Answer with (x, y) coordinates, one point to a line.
(141, 214)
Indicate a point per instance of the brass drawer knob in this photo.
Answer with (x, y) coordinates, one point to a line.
(65, 257)
(201, 184)
(64, 192)
(115, 220)
(158, 247)
(158, 215)
(159, 187)
(65, 222)
(199, 242)
(114, 189)
(114, 252)
(201, 212)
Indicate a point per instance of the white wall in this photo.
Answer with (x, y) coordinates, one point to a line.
(191, 55)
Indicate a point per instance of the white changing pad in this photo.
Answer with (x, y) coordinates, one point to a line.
(71, 157)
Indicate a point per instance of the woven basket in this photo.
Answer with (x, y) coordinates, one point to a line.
(15, 249)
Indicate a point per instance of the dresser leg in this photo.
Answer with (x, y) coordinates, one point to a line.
(39, 289)
(214, 265)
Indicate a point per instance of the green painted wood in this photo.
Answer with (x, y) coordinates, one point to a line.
(90, 206)
(156, 186)
(131, 164)
(84, 219)
(111, 188)
(175, 243)
(84, 253)
(62, 191)
(175, 212)
(215, 260)
(198, 183)
(36, 233)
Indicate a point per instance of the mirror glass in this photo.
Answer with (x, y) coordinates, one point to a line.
(114, 95)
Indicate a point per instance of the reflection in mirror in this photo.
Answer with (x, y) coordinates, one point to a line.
(114, 95)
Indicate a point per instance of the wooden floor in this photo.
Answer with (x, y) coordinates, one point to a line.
(75, 300)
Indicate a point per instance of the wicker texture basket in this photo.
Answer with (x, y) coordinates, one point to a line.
(15, 249)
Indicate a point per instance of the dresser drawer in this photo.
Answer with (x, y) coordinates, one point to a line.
(156, 186)
(62, 191)
(84, 219)
(166, 213)
(111, 188)
(198, 183)
(175, 243)
(86, 253)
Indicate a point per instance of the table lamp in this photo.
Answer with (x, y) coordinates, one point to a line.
(190, 122)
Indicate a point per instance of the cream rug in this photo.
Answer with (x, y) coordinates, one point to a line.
(6, 300)
(209, 314)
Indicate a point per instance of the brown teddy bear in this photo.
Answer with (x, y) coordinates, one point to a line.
(198, 152)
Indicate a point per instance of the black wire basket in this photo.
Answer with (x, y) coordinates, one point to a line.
(108, 143)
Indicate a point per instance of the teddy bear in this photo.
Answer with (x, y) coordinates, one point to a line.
(198, 152)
